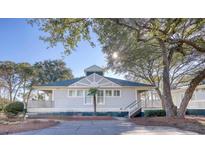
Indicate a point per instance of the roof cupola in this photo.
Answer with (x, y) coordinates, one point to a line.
(94, 69)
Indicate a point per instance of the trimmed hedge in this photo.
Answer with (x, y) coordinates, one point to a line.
(14, 108)
(154, 113)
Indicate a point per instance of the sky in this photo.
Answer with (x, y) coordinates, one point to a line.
(19, 42)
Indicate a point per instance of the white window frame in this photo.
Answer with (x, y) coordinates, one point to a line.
(80, 90)
(113, 92)
(91, 102)
(108, 90)
(71, 90)
(102, 103)
(75, 92)
(85, 98)
(117, 90)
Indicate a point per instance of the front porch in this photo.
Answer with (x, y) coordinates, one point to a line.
(45, 104)
(41, 99)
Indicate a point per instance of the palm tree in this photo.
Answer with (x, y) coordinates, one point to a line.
(93, 92)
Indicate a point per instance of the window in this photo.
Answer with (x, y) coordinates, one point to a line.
(108, 92)
(116, 93)
(100, 93)
(79, 92)
(100, 97)
(71, 93)
(88, 98)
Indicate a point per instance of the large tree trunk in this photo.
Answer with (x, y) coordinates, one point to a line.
(29, 94)
(16, 92)
(161, 97)
(24, 94)
(189, 92)
(95, 104)
(170, 108)
(10, 91)
(10, 95)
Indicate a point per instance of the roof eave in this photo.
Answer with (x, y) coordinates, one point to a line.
(67, 87)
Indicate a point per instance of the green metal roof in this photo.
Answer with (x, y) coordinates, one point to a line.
(63, 83)
(126, 82)
(117, 81)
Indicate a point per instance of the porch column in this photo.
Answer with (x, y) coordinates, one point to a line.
(52, 98)
(138, 96)
(152, 102)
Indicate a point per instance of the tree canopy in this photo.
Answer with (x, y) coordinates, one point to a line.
(172, 48)
(17, 79)
(51, 71)
(68, 31)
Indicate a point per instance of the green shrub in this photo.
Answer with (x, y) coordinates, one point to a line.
(14, 108)
(154, 113)
(1, 107)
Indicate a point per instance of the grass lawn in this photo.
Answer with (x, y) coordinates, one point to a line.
(189, 123)
(9, 127)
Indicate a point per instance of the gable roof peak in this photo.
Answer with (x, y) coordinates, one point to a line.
(94, 69)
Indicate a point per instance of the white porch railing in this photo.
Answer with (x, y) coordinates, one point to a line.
(193, 104)
(133, 107)
(40, 104)
(152, 104)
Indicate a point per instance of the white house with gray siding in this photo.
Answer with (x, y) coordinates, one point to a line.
(115, 96)
(197, 102)
(196, 106)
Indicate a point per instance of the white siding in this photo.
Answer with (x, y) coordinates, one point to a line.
(62, 100)
(128, 95)
(197, 101)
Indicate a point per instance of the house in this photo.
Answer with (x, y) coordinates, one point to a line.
(197, 102)
(196, 105)
(115, 96)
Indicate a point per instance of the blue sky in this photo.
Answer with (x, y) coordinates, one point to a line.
(20, 42)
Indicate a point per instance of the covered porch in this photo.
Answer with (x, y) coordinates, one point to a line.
(42, 99)
(149, 99)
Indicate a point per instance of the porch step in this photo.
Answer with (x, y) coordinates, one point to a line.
(136, 113)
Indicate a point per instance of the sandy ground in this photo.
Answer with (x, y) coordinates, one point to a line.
(21, 126)
(189, 123)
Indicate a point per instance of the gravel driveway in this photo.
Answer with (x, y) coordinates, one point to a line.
(105, 127)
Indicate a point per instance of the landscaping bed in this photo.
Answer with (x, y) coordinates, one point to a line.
(9, 127)
(189, 123)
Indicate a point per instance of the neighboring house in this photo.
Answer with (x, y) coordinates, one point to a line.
(197, 102)
(115, 96)
(196, 105)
